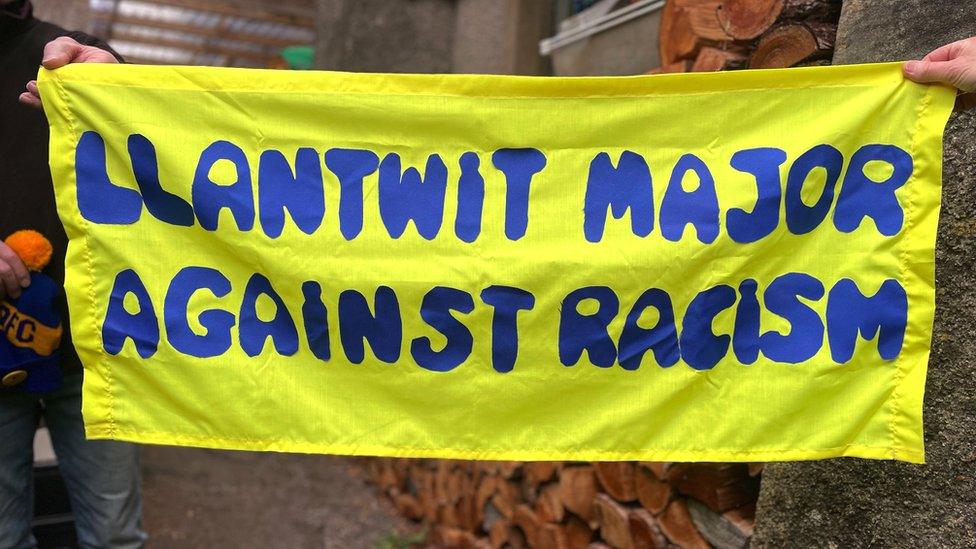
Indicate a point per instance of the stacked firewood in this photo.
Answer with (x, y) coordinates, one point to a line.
(568, 505)
(713, 35)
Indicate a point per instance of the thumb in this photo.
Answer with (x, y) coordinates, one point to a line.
(60, 52)
(948, 72)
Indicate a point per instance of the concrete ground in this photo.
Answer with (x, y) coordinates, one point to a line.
(208, 498)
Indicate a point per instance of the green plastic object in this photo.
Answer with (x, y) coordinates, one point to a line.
(299, 57)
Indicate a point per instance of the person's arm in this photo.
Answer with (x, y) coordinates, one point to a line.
(953, 64)
(58, 53)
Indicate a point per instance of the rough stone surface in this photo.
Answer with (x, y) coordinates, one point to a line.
(861, 503)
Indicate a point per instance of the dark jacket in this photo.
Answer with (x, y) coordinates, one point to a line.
(26, 193)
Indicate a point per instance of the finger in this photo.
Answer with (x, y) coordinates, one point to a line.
(32, 89)
(10, 258)
(9, 281)
(30, 100)
(59, 52)
(21, 272)
(943, 53)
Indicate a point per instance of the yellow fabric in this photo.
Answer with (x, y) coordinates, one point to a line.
(542, 409)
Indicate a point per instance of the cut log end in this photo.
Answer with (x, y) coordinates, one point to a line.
(577, 488)
(704, 22)
(652, 493)
(614, 522)
(678, 66)
(644, 530)
(617, 479)
(677, 525)
(748, 19)
(715, 59)
(788, 45)
(677, 39)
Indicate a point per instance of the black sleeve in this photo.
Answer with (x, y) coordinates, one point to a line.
(92, 41)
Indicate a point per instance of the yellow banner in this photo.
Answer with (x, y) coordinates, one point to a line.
(720, 267)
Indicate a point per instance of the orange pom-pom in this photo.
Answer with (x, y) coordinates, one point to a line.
(33, 248)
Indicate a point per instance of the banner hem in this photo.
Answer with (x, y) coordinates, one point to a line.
(194, 78)
(494, 454)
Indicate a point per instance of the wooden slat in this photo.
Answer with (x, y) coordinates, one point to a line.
(193, 29)
(258, 11)
(195, 48)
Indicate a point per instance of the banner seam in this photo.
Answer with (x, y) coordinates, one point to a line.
(649, 94)
(410, 451)
(894, 409)
(474, 85)
(103, 369)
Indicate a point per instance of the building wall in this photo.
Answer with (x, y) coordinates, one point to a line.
(433, 36)
(502, 36)
(478, 48)
(385, 35)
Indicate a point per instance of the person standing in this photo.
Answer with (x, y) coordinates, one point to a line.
(102, 476)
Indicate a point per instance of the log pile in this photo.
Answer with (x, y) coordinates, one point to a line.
(712, 35)
(569, 505)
